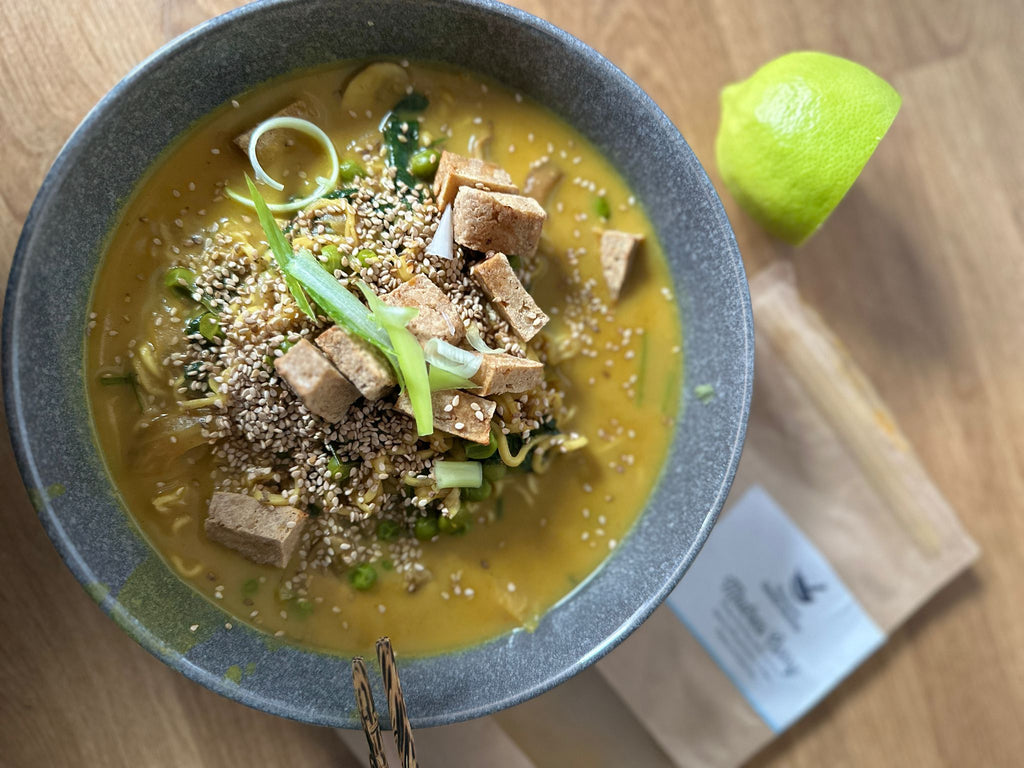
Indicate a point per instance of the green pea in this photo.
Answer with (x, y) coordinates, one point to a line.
(452, 525)
(495, 471)
(363, 576)
(303, 607)
(333, 262)
(426, 528)
(601, 207)
(337, 469)
(477, 494)
(388, 530)
(364, 256)
(181, 280)
(423, 164)
(284, 347)
(349, 169)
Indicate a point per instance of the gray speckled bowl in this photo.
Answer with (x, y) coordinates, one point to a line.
(46, 308)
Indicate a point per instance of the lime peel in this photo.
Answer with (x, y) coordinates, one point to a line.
(795, 136)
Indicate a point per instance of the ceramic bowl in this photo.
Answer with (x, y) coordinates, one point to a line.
(96, 171)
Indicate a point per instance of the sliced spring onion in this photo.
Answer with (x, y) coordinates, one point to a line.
(182, 280)
(112, 379)
(406, 355)
(279, 246)
(482, 451)
(115, 379)
(477, 342)
(461, 362)
(441, 380)
(443, 242)
(458, 474)
(335, 300)
(312, 130)
(204, 324)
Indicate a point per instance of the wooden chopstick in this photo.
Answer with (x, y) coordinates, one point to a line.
(368, 714)
(400, 725)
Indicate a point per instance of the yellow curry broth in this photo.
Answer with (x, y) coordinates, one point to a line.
(552, 529)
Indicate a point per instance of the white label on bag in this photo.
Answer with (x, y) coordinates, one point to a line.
(771, 612)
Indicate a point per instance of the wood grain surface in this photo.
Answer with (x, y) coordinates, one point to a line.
(919, 271)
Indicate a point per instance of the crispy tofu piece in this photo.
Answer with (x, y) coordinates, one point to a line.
(357, 361)
(498, 280)
(322, 389)
(263, 533)
(437, 317)
(507, 373)
(457, 413)
(617, 249)
(454, 171)
(492, 221)
(272, 142)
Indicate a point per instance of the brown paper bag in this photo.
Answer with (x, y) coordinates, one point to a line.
(824, 447)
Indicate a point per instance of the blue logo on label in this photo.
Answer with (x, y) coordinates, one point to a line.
(803, 590)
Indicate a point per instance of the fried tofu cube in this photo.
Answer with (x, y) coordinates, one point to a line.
(437, 316)
(617, 250)
(357, 361)
(263, 533)
(322, 389)
(498, 280)
(272, 142)
(492, 221)
(457, 413)
(507, 373)
(454, 171)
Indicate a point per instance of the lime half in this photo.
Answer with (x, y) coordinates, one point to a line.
(794, 137)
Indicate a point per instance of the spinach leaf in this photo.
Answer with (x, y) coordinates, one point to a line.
(402, 144)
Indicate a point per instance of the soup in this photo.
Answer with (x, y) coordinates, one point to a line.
(440, 441)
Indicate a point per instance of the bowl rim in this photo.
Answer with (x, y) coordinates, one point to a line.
(29, 470)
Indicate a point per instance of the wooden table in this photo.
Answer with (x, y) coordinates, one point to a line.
(919, 271)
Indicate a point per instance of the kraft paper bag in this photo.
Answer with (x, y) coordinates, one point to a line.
(822, 445)
(825, 448)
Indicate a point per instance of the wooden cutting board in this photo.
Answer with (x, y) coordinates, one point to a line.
(919, 271)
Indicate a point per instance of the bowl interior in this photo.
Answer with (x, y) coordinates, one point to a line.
(45, 317)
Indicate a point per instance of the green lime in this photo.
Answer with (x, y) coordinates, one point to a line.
(795, 136)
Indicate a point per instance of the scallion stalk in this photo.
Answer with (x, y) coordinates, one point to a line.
(279, 246)
(458, 474)
(441, 380)
(407, 355)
